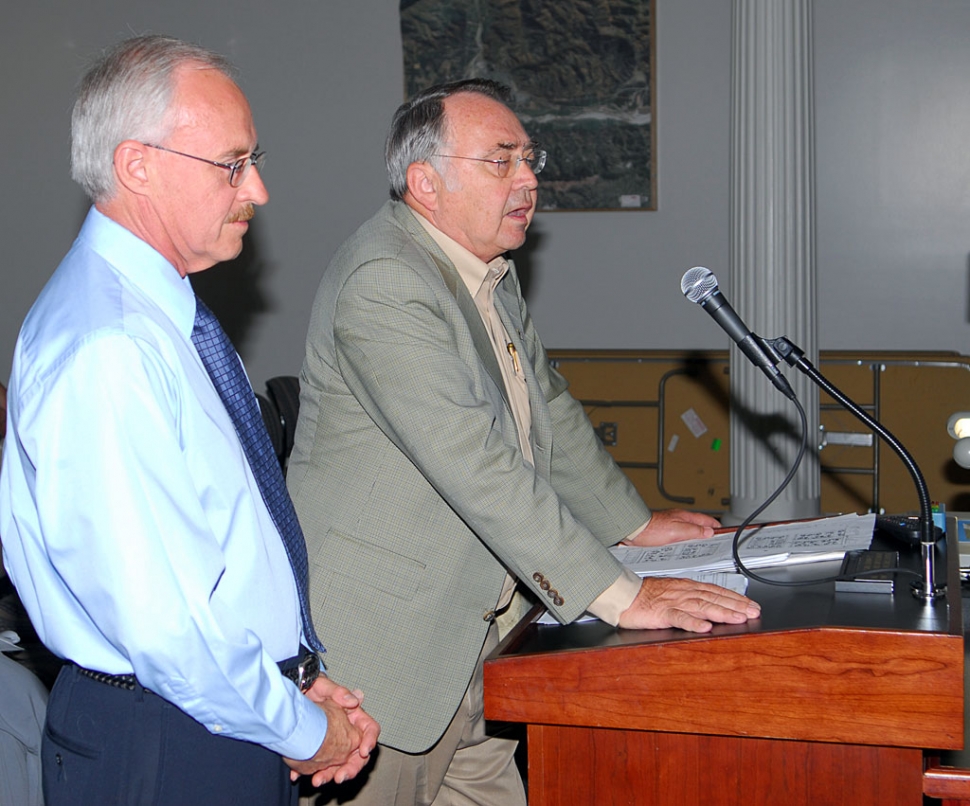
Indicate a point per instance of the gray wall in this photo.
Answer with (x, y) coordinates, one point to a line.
(323, 76)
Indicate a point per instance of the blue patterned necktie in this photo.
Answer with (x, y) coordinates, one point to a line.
(223, 365)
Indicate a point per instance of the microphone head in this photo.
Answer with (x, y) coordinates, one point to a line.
(698, 284)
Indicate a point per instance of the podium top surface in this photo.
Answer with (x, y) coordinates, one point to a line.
(819, 665)
(786, 609)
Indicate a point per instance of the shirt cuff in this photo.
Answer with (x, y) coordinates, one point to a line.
(635, 532)
(309, 732)
(611, 603)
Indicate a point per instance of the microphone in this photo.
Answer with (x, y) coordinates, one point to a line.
(700, 285)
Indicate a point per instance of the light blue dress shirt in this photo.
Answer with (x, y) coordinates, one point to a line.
(131, 522)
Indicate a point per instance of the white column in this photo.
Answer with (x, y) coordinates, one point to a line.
(772, 271)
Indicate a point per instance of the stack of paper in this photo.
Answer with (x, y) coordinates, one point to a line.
(761, 547)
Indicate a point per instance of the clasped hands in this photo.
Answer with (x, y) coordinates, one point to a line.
(351, 735)
(668, 602)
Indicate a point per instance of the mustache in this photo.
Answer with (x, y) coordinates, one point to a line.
(244, 214)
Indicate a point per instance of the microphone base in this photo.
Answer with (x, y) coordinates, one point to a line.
(927, 593)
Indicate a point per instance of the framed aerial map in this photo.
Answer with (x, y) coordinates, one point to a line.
(582, 78)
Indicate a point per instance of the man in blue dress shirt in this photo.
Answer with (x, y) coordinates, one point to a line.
(133, 525)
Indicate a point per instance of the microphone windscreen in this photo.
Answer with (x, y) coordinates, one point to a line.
(698, 284)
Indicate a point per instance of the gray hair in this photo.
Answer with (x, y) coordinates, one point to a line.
(418, 127)
(126, 95)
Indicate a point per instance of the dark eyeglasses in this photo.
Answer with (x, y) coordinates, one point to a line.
(238, 170)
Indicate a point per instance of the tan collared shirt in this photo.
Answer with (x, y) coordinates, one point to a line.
(481, 280)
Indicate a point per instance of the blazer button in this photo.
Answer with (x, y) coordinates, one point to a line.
(489, 616)
(537, 577)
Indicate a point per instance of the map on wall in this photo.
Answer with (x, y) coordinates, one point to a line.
(581, 74)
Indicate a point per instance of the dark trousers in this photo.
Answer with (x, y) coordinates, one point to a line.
(107, 745)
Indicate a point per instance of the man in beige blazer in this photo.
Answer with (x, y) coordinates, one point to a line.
(438, 457)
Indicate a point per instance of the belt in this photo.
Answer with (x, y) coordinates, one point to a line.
(126, 681)
(302, 669)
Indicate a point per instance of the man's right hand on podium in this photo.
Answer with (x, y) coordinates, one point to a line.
(685, 604)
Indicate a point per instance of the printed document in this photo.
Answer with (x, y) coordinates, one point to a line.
(762, 546)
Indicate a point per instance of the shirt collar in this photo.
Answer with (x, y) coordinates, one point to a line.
(142, 266)
(473, 271)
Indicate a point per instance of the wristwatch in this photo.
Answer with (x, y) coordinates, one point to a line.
(304, 672)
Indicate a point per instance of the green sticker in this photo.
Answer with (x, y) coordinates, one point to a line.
(716, 445)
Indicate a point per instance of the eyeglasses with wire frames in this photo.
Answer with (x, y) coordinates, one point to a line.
(238, 170)
(536, 160)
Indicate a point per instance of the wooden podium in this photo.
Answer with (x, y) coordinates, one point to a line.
(830, 698)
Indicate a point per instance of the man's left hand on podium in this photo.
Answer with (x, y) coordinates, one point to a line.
(673, 526)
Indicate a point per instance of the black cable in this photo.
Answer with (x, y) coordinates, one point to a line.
(739, 534)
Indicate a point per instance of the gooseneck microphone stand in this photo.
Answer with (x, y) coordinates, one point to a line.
(927, 590)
